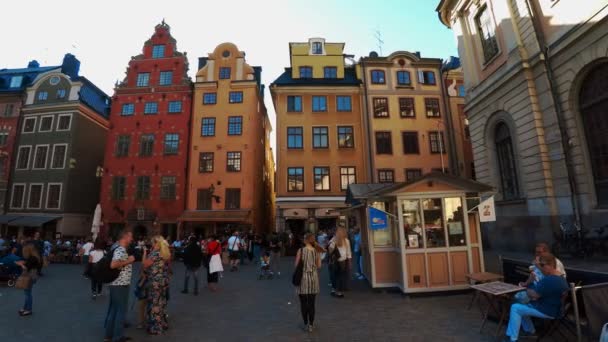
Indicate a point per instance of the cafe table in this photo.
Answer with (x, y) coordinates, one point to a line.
(497, 292)
(481, 278)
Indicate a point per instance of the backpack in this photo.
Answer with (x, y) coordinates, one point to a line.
(102, 272)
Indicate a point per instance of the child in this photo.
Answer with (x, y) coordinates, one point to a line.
(265, 266)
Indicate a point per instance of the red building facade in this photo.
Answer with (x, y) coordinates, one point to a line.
(144, 171)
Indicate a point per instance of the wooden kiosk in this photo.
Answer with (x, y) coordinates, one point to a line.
(431, 240)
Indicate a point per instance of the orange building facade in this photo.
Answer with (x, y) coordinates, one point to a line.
(228, 180)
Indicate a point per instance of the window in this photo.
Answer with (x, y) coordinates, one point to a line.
(208, 127)
(330, 72)
(294, 103)
(235, 125)
(380, 107)
(436, 141)
(317, 48)
(295, 137)
(295, 179)
(203, 199)
(53, 195)
(305, 72)
(175, 107)
(433, 222)
(119, 183)
(412, 223)
(35, 196)
(209, 98)
(146, 145)
(18, 196)
(407, 108)
(378, 77)
(321, 176)
(224, 73)
(171, 143)
(166, 78)
(65, 122)
(158, 51)
(43, 95)
(23, 157)
(432, 107)
(346, 138)
(16, 81)
(40, 157)
(60, 94)
(236, 97)
(347, 176)
(46, 124)
(3, 138)
(143, 79)
(454, 221)
(167, 188)
(233, 161)
(506, 162)
(143, 188)
(384, 143)
(486, 31)
(386, 176)
(122, 145)
(403, 78)
(410, 143)
(320, 137)
(128, 109)
(151, 108)
(233, 199)
(205, 162)
(412, 174)
(344, 104)
(319, 103)
(8, 110)
(426, 77)
(29, 125)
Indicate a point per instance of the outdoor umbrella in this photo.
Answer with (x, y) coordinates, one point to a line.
(96, 221)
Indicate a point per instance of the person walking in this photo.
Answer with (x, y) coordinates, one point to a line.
(234, 247)
(39, 244)
(193, 257)
(339, 250)
(358, 254)
(157, 276)
(119, 288)
(275, 255)
(85, 250)
(310, 257)
(97, 252)
(214, 266)
(31, 264)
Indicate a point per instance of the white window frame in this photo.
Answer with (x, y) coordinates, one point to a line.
(13, 194)
(65, 154)
(29, 157)
(59, 120)
(52, 123)
(48, 191)
(29, 195)
(24, 125)
(46, 158)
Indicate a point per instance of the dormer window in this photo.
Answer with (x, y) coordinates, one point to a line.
(305, 72)
(224, 73)
(158, 51)
(317, 48)
(43, 95)
(16, 81)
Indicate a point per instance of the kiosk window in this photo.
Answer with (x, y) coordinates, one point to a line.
(412, 224)
(455, 222)
(385, 237)
(433, 222)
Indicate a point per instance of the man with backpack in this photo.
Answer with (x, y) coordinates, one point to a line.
(193, 258)
(122, 263)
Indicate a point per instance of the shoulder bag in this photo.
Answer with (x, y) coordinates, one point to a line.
(296, 279)
(24, 281)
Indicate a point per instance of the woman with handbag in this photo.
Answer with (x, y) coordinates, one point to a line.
(31, 263)
(308, 262)
(339, 248)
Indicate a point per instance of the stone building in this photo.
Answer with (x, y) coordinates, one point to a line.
(536, 77)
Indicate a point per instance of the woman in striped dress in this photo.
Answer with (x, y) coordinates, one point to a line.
(310, 256)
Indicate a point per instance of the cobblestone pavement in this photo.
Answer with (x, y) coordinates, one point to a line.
(246, 309)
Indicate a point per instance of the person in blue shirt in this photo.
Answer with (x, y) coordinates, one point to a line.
(358, 254)
(545, 299)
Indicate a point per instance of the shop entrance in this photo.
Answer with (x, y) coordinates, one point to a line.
(296, 230)
(327, 224)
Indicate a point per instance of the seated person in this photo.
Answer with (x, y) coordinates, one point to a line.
(265, 261)
(9, 261)
(545, 299)
(535, 272)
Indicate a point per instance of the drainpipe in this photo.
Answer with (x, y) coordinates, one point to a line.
(366, 122)
(561, 121)
(453, 155)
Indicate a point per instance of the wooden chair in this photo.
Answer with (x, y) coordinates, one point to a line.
(551, 326)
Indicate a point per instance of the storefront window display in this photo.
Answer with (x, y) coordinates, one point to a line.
(412, 223)
(433, 222)
(455, 224)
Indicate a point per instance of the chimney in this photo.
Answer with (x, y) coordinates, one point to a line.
(70, 65)
(202, 61)
(33, 64)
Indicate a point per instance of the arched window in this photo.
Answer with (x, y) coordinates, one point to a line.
(506, 162)
(593, 102)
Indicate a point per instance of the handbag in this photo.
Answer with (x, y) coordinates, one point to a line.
(24, 281)
(296, 279)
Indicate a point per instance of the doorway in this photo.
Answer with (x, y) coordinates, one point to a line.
(140, 232)
(296, 229)
(327, 224)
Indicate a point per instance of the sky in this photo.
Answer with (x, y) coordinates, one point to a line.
(104, 35)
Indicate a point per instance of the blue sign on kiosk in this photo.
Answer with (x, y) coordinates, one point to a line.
(377, 219)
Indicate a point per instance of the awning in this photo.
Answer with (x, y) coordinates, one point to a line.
(4, 219)
(33, 221)
(215, 216)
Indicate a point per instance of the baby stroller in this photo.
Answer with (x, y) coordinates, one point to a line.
(9, 274)
(265, 272)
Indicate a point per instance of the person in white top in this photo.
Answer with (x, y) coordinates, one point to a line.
(95, 254)
(84, 251)
(340, 256)
(234, 246)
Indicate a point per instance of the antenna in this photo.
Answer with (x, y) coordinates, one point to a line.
(379, 41)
